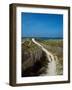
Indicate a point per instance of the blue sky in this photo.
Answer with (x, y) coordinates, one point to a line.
(41, 25)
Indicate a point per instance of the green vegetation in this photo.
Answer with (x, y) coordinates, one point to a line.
(29, 45)
(53, 42)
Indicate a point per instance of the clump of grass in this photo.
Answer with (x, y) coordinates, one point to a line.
(29, 45)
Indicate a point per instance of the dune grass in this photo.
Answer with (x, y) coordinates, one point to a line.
(55, 46)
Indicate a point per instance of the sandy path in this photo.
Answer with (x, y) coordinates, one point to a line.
(51, 59)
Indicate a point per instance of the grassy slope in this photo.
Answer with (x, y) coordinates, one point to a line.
(54, 46)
